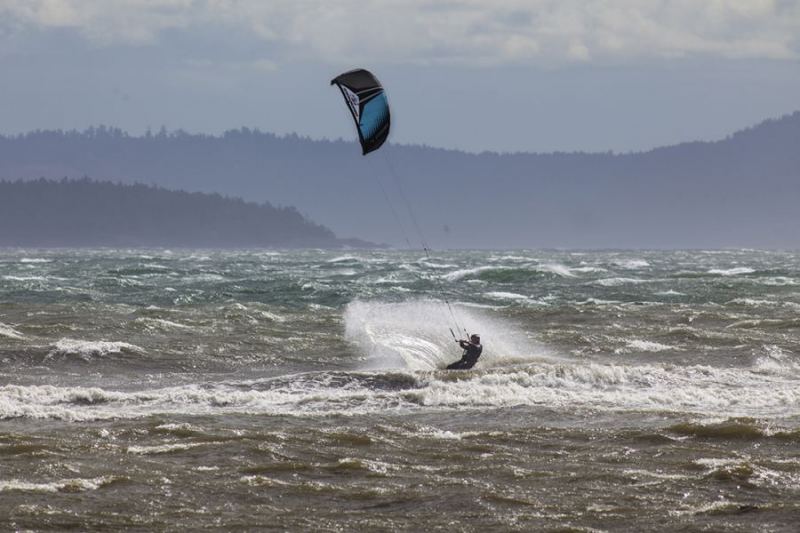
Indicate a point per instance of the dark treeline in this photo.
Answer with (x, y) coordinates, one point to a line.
(743, 190)
(90, 213)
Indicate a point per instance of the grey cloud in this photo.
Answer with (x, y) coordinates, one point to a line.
(457, 31)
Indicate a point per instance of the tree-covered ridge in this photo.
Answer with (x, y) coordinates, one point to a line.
(741, 191)
(92, 213)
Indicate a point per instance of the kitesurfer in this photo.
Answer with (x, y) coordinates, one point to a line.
(472, 350)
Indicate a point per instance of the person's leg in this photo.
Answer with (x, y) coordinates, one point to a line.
(456, 366)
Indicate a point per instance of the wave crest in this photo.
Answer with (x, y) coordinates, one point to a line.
(87, 350)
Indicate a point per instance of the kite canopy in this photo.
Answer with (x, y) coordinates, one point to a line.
(367, 102)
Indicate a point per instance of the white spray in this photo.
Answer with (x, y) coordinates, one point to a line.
(415, 335)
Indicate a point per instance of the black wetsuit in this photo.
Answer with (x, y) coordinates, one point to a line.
(471, 353)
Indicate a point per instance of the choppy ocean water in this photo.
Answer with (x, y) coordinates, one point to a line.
(640, 391)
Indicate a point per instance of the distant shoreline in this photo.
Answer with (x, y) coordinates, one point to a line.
(48, 214)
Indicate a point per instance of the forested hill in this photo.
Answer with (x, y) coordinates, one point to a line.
(89, 213)
(743, 190)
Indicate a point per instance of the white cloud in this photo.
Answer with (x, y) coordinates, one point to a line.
(445, 31)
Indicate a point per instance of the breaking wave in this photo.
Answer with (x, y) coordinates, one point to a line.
(9, 332)
(88, 349)
(731, 271)
(632, 264)
(694, 390)
(64, 485)
(509, 274)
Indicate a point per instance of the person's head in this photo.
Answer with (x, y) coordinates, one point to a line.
(475, 338)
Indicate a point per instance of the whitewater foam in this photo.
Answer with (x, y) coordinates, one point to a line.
(756, 302)
(27, 278)
(598, 301)
(614, 282)
(431, 264)
(632, 264)
(344, 259)
(777, 281)
(777, 361)
(163, 448)
(160, 324)
(588, 269)
(638, 345)
(731, 271)
(88, 349)
(64, 485)
(10, 333)
(500, 295)
(695, 390)
(746, 468)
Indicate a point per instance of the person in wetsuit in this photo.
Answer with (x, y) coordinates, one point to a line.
(472, 350)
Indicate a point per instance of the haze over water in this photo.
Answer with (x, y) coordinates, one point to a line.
(638, 391)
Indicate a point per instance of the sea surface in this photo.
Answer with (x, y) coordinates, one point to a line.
(303, 390)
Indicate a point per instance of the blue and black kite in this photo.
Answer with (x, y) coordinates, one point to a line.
(367, 102)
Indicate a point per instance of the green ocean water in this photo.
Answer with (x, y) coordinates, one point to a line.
(635, 390)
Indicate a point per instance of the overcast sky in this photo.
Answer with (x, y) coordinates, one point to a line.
(504, 75)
